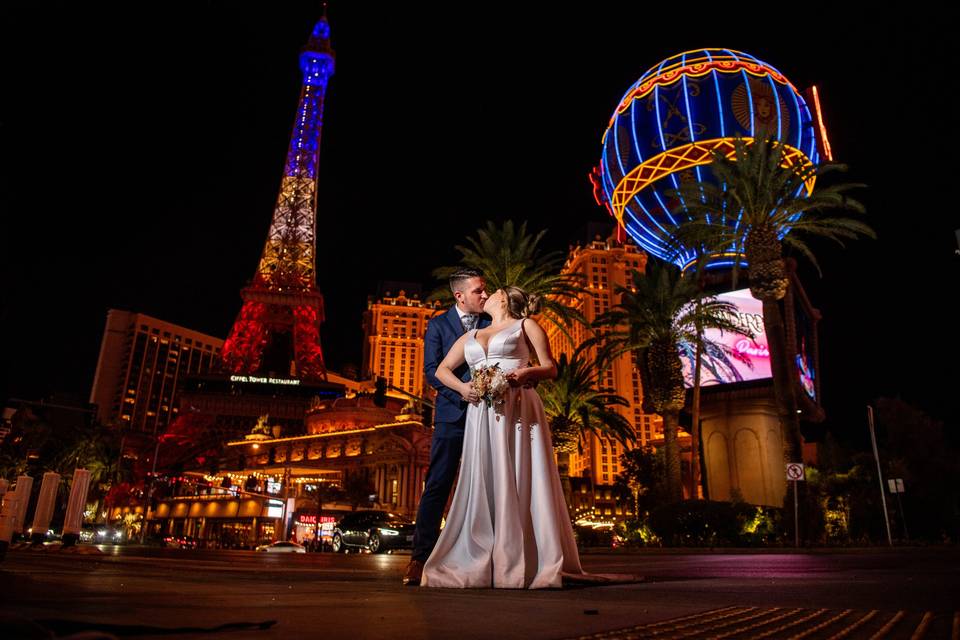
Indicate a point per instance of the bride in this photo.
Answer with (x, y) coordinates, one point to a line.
(508, 525)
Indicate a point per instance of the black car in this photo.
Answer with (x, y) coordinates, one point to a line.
(375, 531)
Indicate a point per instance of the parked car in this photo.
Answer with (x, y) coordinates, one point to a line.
(375, 531)
(282, 547)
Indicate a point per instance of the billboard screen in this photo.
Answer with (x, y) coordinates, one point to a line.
(739, 358)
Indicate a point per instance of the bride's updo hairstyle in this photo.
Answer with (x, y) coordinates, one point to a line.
(520, 304)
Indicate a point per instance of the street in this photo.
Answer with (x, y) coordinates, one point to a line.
(360, 595)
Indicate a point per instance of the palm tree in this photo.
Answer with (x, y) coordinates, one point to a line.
(575, 405)
(658, 315)
(776, 204)
(510, 256)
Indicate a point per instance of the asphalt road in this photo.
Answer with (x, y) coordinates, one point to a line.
(360, 595)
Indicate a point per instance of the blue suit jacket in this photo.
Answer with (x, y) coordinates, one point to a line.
(442, 332)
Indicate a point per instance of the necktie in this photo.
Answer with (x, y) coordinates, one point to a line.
(469, 321)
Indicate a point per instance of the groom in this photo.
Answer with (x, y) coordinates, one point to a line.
(450, 414)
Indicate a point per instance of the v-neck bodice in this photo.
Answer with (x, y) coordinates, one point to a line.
(506, 348)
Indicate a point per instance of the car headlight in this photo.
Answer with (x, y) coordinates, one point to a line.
(389, 532)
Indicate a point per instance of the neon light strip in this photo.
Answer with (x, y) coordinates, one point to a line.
(732, 56)
(725, 254)
(656, 104)
(686, 100)
(824, 142)
(606, 167)
(776, 100)
(633, 132)
(616, 150)
(753, 122)
(652, 244)
(681, 158)
(696, 71)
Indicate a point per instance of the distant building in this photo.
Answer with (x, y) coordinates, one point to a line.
(603, 265)
(393, 328)
(141, 366)
(262, 489)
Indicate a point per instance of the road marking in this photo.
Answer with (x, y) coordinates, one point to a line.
(680, 627)
(702, 614)
(739, 630)
(771, 622)
(922, 627)
(826, 623)
(890, 625)
(753, 616)
(843, 633)
(816, 614)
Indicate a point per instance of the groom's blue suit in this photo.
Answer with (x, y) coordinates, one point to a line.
(449, 418)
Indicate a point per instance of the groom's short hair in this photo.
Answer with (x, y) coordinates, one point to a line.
(460, 276)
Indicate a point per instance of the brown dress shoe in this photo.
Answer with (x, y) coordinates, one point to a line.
(412, 577)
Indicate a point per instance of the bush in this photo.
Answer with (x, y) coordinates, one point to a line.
(636, 532)
(698, 523)
(590, 537)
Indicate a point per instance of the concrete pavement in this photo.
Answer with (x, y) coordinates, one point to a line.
(360, 595)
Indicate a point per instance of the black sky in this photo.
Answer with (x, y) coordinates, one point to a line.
(143, 148)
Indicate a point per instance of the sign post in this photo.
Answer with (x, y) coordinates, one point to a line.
(896, 487)
(795, 474)
(876, 456)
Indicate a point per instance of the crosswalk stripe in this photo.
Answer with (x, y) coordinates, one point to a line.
(922, 627)
(885, 629)
(843, 633)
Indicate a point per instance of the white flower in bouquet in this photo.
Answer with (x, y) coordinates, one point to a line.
(490, 383)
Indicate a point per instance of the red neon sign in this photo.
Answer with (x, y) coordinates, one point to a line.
(312, 519)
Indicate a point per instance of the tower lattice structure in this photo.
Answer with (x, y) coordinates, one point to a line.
(278, 327)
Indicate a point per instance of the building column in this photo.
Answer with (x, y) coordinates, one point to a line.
(408, 502)
(385, 483)
(419, 487)
(413, 487)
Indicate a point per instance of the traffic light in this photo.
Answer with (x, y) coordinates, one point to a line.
(380, 392)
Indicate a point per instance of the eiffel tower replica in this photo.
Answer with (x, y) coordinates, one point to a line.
(277, 332)
(271, 363)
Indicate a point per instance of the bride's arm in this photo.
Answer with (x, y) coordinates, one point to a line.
(547, 369)
(451, 361)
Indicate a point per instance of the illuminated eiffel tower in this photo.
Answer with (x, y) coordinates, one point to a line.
(278, 328)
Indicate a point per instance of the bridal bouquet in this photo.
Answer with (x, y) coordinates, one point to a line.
(490, 383)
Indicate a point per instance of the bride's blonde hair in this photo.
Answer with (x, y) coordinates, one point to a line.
(520, 304)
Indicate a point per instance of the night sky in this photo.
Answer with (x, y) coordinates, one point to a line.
(143, 149)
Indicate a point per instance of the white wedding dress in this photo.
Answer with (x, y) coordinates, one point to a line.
(508, 525)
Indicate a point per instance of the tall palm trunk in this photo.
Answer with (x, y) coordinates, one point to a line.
(783, 387)
(664, 384)
(768, 283)
(695, 426)
(671, 420)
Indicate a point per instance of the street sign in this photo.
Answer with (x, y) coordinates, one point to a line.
(895, 484)
(795, 471)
